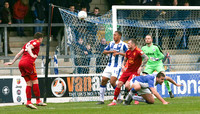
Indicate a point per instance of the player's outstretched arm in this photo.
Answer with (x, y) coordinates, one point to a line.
(154, 91)
(16, 57)
(172, 81)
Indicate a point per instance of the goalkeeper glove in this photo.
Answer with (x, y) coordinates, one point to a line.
(154, 59)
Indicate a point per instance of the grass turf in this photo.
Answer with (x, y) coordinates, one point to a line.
(184, 105)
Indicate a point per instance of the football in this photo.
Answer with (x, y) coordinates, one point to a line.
(82, 15)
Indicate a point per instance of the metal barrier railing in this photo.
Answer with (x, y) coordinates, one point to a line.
(6, 26)
(197, 67)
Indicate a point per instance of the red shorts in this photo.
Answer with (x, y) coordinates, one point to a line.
(127, 76)
(28, 70)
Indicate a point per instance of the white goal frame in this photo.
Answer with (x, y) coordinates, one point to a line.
(117, 7)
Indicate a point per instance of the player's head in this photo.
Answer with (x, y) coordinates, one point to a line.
(148, 39)
(39, 36)
(132, 43)
(117, 36)
(160, 77)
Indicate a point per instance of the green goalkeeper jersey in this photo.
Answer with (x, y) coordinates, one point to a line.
(153, 52)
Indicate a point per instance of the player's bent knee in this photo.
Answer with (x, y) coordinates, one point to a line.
(127, 86)
(29, 83)
(150, 101)
(104, 81)
(113, 83)
(120, 83)
(35, 81)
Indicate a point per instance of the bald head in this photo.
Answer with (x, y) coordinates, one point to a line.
(148, 40)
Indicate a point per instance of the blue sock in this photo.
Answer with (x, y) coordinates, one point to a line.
(133, 90)
(103, 86)
(114, 87)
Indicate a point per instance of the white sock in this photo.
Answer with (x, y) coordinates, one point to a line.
(130, 94)
(119, 96)
(138, 98)
(102, 91)
(114, 101)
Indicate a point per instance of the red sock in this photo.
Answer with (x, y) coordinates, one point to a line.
(36, 91)
(116, 93)
(28, 93)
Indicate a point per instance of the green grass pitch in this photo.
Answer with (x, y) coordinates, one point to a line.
(184, 105)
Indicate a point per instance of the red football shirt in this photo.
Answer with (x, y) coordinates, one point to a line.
(26, 56)
(134, 59)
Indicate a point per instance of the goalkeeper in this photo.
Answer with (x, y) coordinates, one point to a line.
(155, 60)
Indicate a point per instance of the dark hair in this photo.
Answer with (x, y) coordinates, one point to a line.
(119, 32)
(38, 35)
(133, 41)
(71, 5)
(160, 74)
(97, 8)
(83, 6)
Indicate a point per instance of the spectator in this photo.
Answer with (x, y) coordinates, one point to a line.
(20, 10)
(180, 15)
(101, 58)
(82, 3)
(57, 17)
(84, 9)
(80, 52)
(96, 12)
(6, 19)
(86, 61)
(86, 3)
(39, 14)
(72, 8)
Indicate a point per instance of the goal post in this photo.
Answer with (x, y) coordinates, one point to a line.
(116, 8)
(174, 28)
(134, 22)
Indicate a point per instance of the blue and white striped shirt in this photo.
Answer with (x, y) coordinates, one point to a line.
(116, 61)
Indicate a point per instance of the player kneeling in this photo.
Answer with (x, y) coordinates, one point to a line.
(142, 84)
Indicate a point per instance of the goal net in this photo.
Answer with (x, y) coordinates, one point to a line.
(87, 40)
(174, 29)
